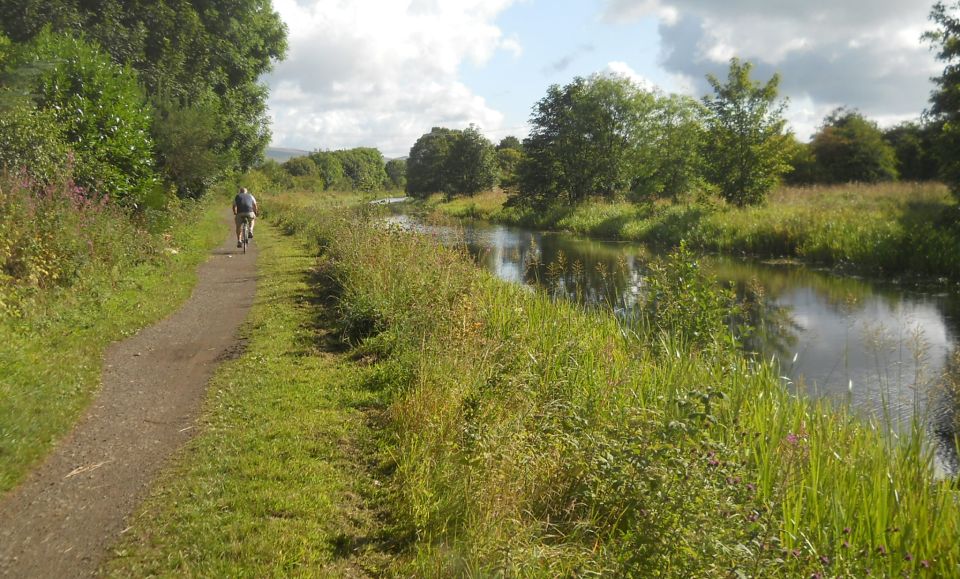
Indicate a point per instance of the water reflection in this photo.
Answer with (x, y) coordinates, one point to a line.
(883, 349)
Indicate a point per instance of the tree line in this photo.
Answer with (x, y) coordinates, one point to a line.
(135, 99)
(604, 136)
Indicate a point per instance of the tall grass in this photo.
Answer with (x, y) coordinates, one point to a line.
(539, 438)
(889, 228)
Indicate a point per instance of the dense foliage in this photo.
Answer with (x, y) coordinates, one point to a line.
(453, 162)
(199, 62)
(851, 148)
(101, 112)
(604, 136)
(583, 140)
(746, 148)
(945, 99)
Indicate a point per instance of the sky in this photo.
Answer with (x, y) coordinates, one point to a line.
(380, 73)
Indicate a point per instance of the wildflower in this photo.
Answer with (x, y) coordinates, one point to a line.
(846, 530)
(925, 564)
(882, 551)
(846, 544)
(751, 487)
(824, 560)
(795, 553)
(908, 557)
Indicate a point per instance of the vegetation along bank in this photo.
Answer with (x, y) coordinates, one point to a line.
(529, 437)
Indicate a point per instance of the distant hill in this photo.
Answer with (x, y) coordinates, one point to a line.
(279, 154)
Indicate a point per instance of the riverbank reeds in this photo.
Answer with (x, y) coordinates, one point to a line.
(894, 228)
(532, 437)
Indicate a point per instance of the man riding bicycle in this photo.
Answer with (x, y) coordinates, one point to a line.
(244, 207)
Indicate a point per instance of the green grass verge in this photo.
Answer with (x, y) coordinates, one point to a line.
(52, 356)
(279, 480)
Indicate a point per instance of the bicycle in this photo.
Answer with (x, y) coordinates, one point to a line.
(245, 232)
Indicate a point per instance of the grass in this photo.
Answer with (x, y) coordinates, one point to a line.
(281, 479)
(55, 336)
(891, 228)
(538, 438)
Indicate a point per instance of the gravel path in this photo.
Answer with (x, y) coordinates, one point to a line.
(63, 519)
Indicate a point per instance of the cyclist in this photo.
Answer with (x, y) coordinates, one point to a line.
(244, 206)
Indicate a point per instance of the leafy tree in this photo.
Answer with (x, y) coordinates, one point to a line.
(851, 148)
(508, 163)
(189, 144)
(746, 149)
(396, 174)
(183, 50)
(584, 140)
(101, 112)
(945, 100)
(363, 167)
(802, 162)
(30, 139)
(669, 160)
(510, 142)
(915, 149)
(301, 167)
(471, 163)
(426, 163)
(330, 169)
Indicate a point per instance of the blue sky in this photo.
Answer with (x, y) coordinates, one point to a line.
(383, 72)
(565, 40)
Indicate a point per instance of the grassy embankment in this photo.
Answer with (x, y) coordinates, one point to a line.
(892, 228)
(76, 275)
(281, 478)
(534, 438)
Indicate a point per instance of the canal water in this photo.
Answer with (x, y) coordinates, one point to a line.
(885, 349)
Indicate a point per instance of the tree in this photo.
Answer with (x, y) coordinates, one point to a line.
(802, 162)
(945, 99)
(471, 163)
(101, 111)
(510, 142)
(183, 50)
(363, 167)
(508, 162)
(396, 174)
(583, 140)
(745, 148)
(851, 148)
(189, 144)
(301, 167)
(426, 163)
(915, 148)
(670, 160)
(331, 169)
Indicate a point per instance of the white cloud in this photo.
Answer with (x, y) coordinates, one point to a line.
(381, 72)
(624, 69)
(865, 54)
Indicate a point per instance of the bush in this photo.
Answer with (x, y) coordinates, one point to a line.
(102, 112)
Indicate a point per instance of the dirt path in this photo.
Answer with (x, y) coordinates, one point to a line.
(63, 519)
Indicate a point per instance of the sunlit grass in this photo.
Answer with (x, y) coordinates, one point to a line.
(51, 359)
(537, 438)
(279, 480)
